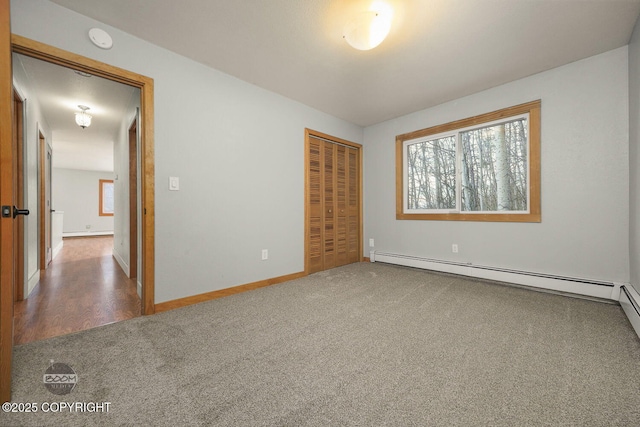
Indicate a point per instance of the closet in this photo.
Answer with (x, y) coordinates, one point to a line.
(333, 203)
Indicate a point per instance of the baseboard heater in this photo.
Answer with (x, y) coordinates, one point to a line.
(630, 302)
(592, 288)
(87, 233)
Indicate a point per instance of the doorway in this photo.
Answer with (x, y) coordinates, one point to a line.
(333, 202)
(17, 44)
(77, 163)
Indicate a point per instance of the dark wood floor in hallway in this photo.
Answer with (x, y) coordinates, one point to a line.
(83, 287)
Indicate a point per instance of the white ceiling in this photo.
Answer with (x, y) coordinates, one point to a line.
(438, 50)
(59, 91)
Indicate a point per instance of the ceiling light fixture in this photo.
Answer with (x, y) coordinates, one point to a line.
(82, 118)
(82, 73)
(368, 29)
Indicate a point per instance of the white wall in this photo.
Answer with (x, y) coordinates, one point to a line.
(634, 156)
(237, 149)
(77, 193)
(585, 176)
(34, 123)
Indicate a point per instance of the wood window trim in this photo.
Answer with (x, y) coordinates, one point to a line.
(533, 109)
(101, 211)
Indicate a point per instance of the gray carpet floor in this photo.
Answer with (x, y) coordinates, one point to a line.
(365, 344)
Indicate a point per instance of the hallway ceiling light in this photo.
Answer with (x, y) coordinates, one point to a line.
(82, 73)
(368, 29)
(82, 118)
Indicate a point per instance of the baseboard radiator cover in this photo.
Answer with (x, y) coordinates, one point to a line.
(86, 233)
(572, 285)
(630, 302)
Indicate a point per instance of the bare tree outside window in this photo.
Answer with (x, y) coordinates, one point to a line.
(484, 168)
(432, 174)
(494, 167)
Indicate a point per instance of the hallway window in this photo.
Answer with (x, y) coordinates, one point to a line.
(106, 197)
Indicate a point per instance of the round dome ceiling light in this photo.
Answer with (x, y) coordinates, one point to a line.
(100, 38)
(367, 29)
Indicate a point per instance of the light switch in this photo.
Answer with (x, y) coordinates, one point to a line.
(174, 183)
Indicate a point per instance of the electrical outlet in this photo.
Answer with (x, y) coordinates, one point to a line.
(371, 243)
(454, 248)
(265, 254)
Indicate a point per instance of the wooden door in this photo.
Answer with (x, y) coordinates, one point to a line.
(133, 200)
(333, 205)
(48, 208)
(328, 250)
(19, 221)
(45, 204)
(6, 199)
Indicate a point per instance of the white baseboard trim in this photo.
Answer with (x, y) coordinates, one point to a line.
(33, 281)
(87, 233)
(630, 302)
(57, 249)
(121, 262)
(591, 288)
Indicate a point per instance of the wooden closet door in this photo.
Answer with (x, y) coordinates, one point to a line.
(342, 223)
(334, 205)
(329, 196)
(353, 206)
(315, 205)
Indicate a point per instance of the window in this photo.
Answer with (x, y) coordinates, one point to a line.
(106, 197)
(484, 168)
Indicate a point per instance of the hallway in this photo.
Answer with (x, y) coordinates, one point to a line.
(83, 287)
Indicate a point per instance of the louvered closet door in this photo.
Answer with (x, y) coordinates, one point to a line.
(315, 200)
(352, 205)
(334, 225)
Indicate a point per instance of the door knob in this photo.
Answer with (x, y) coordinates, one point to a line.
(17, 212)
(7, 211)
(329, 210)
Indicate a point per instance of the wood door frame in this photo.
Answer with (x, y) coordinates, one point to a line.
(34, 49)
(13, 43)
(18, 143)
(308, 133)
